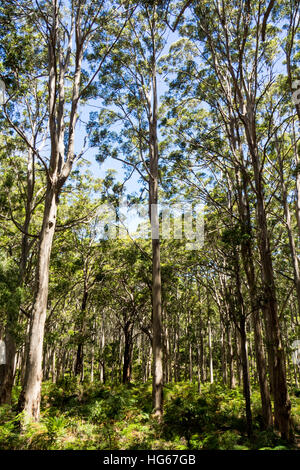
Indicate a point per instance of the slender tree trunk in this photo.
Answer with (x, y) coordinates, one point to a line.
(246, 378)
(202, 354)
(101, 361)
(211, 368)
(198, 369)
(223, 355)
(156, 272)
(92, 364)
(53, 367)
(79, 354)
(230, 359)
(176, 355)
(297, 201)
(190, 363)
(126, 376)
(8, 369)
(168, 359)
(25, 353)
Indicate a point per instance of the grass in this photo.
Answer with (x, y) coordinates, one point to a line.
(96, 416)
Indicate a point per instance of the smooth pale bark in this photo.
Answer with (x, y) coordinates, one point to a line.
(29, 400)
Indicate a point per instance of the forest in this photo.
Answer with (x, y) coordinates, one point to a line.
(149, 225)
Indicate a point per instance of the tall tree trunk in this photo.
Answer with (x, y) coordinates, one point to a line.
(79, 355)
(223, 355)
(60, 165)
(201, 352)
(246, 378)
(157, 330)
(127, 361)
(53, 367)
(230, 359)
(248, 263)
(168, 358)
(190, 362)
(238, 351)
(101, 351)
(156, 271)
(198, 369)
(29, 399)
(282, 404)
(240, 322)
(211, 366)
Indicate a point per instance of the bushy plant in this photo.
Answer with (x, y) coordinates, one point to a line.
(56, 426)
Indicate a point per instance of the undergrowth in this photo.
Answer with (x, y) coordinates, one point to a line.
(102, 417)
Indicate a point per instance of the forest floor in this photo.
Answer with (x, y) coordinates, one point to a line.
(107, 417)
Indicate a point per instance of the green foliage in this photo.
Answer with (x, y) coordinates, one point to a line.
(56, 426)
(98, 416)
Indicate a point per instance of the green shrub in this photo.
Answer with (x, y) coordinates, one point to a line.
(56, 427)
